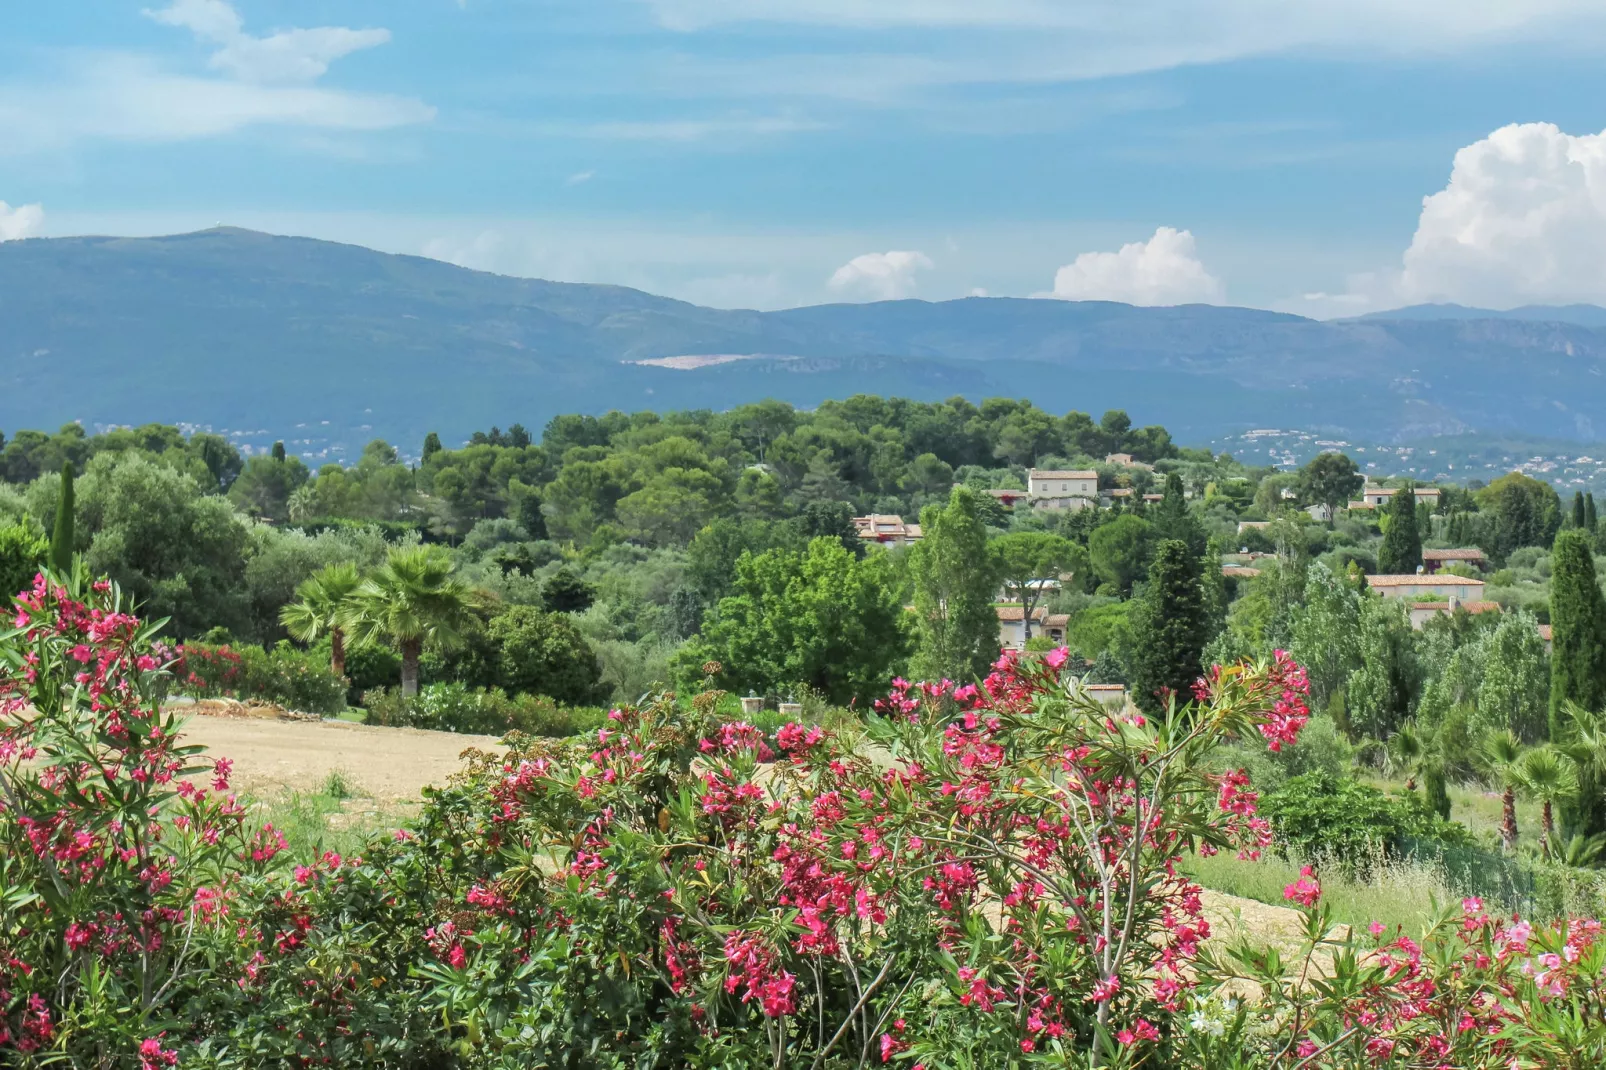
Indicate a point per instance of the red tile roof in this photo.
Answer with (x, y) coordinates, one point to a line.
(1468, 554)
(1470, 607)
(1412, 579)
(1037, 473)
(1015, 614)
(1242, 572)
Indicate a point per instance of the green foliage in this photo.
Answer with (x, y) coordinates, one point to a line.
(565, 591)
(24, 550)
(1326, 631)
(820, 617)
(1020, 559)
(1168, 629)
(456, 707)
(1522, 511)
(297, 680)
(409, 600)
(1330, 479)
(953, 587)
(1401, 552)
(1327, 819)
(1119, 550)
(1382, 692)
(62, 544)
(1578, 632)
(544, 653)
(264, 485)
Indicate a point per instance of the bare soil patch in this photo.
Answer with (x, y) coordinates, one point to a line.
(272, 755)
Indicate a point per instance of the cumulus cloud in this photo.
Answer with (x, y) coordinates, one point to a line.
(1165, 270)
(23, 221)
(1522, 219)
(295, 55)
(885, 276)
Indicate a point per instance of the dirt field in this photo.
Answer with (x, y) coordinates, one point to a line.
(388, 763)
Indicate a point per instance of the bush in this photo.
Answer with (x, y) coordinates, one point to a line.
(479, 711)
(1320, 817)
(295, 679)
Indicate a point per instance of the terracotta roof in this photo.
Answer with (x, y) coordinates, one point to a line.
(1120, 492)
(1057, 620)
(1422, 580)
(1240, 571)
(1470, 554)
(1154, 497)
(1007, 494)
(1421, 492)
(1470, 607)
(1108, 689)
(1037, 473)
(1015, 614)
(1544, 632)
(1360, 505)
(885, 526)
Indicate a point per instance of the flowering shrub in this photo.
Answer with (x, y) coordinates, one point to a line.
(295, 679)
(111, 858)
(993, 883)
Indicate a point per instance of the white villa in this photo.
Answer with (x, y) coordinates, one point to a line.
(1050, 489)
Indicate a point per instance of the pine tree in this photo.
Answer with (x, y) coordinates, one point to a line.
(1401, 551)
(1168, 628)
(954, 585)
(61, 540)
(1578, 632)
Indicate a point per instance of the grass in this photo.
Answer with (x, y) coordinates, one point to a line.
(1396, 893)
(340, 816)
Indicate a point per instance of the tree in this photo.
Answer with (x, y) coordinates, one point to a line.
(1118, 550)
(1172, 520)
(1591, 519)
(821, 618)
(1578, 632)
(1382, 692)
(1401, 552)
(408, 601)
(954, 584)
(830, 519)
(278, 452)
(545, 654)
(1024, 558)
(565, 591)
(320, 608)
(1326, 633)
(61, 539)
(1331, 480)
(1522, 511)
(23, 551)
(432, 446)
(1501, 759)
(1578, 517)
(1514, 693)
(1168, 628)
(265, 484)
(1550, 778)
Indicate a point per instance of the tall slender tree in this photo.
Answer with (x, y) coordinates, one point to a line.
(1501, 759)
(954, 581)
(1401, 551)
(410, 600)
(1579, 511)
(321, 607)
(1591, 518)
(1168, 628)
(61, 539)
(1578, 632)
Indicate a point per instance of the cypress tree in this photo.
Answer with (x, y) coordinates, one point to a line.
(954, 582)
(432, 445)
(1169, 626)
(1401, 551)
(1591, 520)
(1578, 632)
(1579, 513)
(278, 452)
(61, 539)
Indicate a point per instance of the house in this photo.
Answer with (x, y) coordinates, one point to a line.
(1007, 497)
(1053, 489)
(1124, 460)
(1319, 512)
(1377, 497)
(888, 529)
(1416, 586)
(1152, 499)
(1253, 525)
(1109, 497)
(1012, 626)
(1041, 587)
(1422, 612)
(1434, 560)
(1239, 572)
(1544, 633)
(1111, 695)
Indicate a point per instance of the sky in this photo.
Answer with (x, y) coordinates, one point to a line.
(1323, 157)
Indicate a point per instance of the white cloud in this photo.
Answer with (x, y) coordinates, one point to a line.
(295, 55)
(885, 276)
(23, 221)
(1522, 219)
(1165, 270)
(579, 177)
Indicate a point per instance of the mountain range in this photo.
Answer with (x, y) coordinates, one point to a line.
(328, 345)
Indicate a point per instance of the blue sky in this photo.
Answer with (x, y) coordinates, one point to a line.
(775, 152)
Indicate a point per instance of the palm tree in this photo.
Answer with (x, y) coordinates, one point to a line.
(301, 503)
(1551, 777)
(409, 600)
(1501, 758)
(323, 597)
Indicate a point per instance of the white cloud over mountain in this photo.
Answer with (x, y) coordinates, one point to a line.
(23, 221)
(295, 55)
(1165, 270)
(885, 276)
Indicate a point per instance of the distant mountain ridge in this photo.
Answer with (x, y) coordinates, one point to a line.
(1582, 315)
(328, 345)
